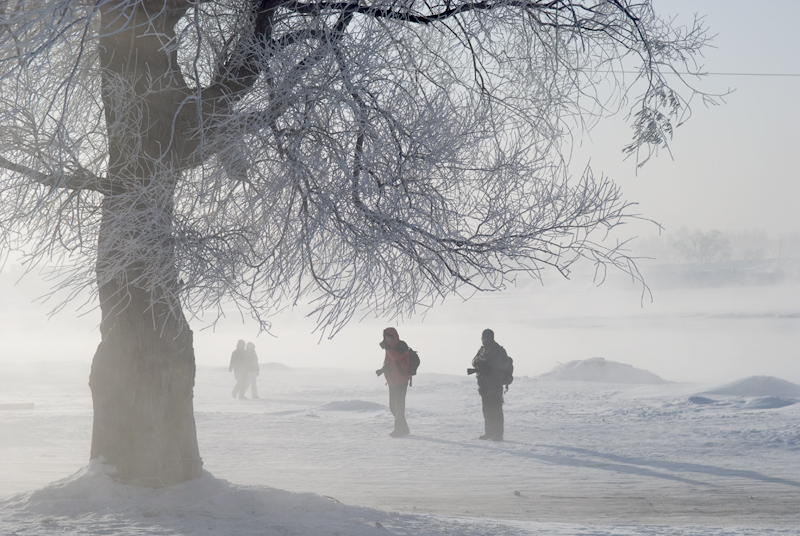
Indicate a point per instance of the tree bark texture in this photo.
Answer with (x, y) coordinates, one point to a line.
(142, 376)
(142, 383)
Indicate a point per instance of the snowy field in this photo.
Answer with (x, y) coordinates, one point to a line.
(690, 426)
(604, 455)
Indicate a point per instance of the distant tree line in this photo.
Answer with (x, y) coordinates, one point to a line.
(705, 246)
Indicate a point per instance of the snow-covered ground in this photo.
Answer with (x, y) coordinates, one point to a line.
(618, 453)
(672, 418)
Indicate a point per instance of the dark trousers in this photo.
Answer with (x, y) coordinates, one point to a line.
(397, 405)
(241, 385)
(493, 419)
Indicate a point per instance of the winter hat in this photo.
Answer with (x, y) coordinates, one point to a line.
(487, 334)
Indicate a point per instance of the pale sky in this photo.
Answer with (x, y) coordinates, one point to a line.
(732, 168)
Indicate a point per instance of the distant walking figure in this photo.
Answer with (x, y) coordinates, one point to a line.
(395, 370)
(251, 360)
(493, 367)
(239, 367)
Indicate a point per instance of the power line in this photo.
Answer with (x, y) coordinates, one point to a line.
(787, 75)
(750, 74)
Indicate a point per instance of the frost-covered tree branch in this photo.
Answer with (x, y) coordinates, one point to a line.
(175, 156)
(376, 155)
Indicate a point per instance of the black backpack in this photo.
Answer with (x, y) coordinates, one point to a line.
(508, 375)
(413, 363)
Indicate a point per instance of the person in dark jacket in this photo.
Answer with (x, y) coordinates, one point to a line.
(251, 365)
(490, 366)
(395, 370)
(239, 367)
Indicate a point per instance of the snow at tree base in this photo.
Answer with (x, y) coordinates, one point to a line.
(616, 452)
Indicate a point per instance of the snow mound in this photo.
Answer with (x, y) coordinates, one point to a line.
(351, 405)
(274, 366)
(598, 369)
(763, 386)
(769, 402)
(91, 502)
(701, 400)
(756, 392)
(759, 402)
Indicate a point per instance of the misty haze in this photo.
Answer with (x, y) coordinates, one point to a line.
(228, 227)
(620, 413)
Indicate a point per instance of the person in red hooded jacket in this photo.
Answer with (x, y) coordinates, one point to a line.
(395, 370)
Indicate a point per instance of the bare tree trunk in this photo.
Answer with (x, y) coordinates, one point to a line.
(142, 383)
(142, 376)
